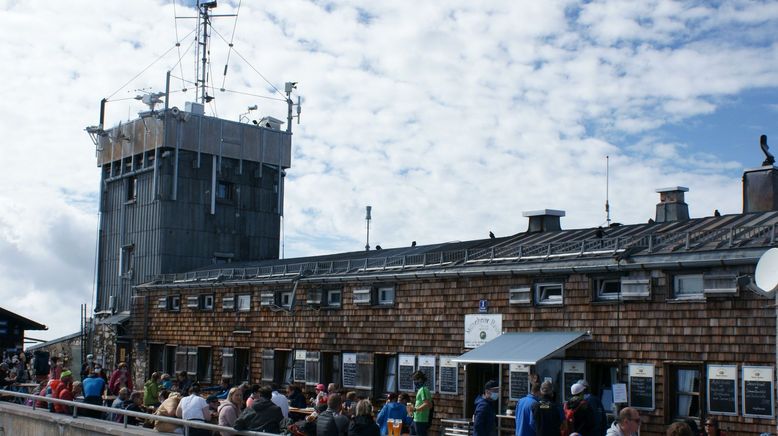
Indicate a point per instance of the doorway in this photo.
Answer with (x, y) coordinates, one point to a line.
(476, 376)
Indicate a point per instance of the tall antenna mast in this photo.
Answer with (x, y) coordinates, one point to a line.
(367, 220)
(607, 190)
(201, 71)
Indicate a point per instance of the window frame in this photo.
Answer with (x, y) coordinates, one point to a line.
(677, 279)
(203, 299)
(228, 363)
(329, 293)
(268, 358)
(542, 285)
(312, 367)
(600, 282)
(365, 371)
(239, 303)
(225, 191)
(673, 393)
(173, 303)
(131, 191)
(380, 300)
(204, 364)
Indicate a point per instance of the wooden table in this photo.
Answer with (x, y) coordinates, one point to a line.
(506, 425)
(306, 411)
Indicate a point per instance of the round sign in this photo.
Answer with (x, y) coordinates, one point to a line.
(766, 275)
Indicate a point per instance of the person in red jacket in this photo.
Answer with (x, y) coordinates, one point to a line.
(63, 391)
(120, 379)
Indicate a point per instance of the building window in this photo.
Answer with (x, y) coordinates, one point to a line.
(268, 364)
(386, 296)
(288, 377)
(228, 302)
(242, 370)
(607, 288)
(331, 368)
(244, 303)
(364, 370)
(128, 260)
(385, 373)
(312, 367)
(333, 298)
(286, 299)
(174, 303)
(684, 392)
(132, 188)
(228, 362)
(206, 302)
(156, 358)
(204, 364)
(225, 191)
(688, 286)
(186, 359)
(548, 293)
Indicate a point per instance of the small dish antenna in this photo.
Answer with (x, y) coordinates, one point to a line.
(766, 275)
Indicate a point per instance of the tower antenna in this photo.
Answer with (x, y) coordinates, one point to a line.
(202, 51)
(367, 221)
(607, 190)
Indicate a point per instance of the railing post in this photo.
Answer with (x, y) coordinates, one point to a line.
(521, 251)
(650, 243)
(688, 240)
(772, 234)
(731, 236)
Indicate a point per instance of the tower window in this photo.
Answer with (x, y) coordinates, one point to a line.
(225, 191)
(132, 188)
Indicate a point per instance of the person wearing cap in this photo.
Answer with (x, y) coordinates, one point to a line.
(600, 420)
(422, 404)
(582, 414)
(87, 367)
(547, 414)
(485, 415)
(64, 391)
(525, 421)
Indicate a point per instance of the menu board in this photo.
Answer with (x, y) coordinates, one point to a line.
(573, 370)
(427, 366)
(299, 366)
(449, 375)
(406, 365)
(758, 391)
(349, 370)
(722, 389)
(518, 377)
(641, 386)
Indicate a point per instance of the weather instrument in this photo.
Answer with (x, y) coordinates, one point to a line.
(766, 275)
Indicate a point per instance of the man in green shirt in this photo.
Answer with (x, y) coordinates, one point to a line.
(151, 391)
(422, 405)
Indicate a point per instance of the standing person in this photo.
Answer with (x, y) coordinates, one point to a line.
(151, 390)
(579, 410)
(525, 421)
(120, 378)
(229, 410)
(87, 367)
(600, 420)
(94, 387)
(363, 424)
(485, 415)
(331, 422)
(194, 408)
(263, 415)
(393, 409)
(628, 423)
(280, 400)
(422, 405)
(546, 413)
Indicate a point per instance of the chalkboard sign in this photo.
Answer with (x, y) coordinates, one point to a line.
(406, 365)
(758, 391)
(641, 386)
(299, 366)
(449, 375)
(349, 370)
(427, 366)
(722, 389)
(573, 371)
(518, 381)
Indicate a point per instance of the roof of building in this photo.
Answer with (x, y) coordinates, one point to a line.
(737, 238)
(26, 323)
(53, 341)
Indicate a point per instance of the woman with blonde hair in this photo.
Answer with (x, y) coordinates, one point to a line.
(229, 409)
(363, 424)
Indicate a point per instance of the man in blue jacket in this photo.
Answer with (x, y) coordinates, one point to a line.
(525, 421)
(485, 415)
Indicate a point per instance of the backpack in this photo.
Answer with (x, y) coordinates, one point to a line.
(568, 425)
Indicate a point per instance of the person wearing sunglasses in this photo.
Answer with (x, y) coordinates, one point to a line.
(711, 427)
(628, 423)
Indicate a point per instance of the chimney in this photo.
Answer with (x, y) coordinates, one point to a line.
(544, 220)
(671, 206)
(760, 185)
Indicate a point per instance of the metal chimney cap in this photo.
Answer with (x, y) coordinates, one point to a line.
(543, 212)
(673, 189)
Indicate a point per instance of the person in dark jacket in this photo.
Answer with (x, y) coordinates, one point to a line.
(331, 422)
(296, 397)
(263, 416)
(600, 420)
(548, 414)
(363, 424)
(583, 417)
(485, 415)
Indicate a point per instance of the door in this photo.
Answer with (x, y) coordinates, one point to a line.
(476, 376)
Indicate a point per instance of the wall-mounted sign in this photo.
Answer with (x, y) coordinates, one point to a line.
(406, 365)
(758, 391)
(573, 370)
(483, 306)
(722, 389)
(427, 366)
(480, 329)
(619, 393)
(349, 370)
(518, 381)
(299, 366)
(641, 386)
(449, 375)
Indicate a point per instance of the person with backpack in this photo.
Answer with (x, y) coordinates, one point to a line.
(547, 414)
(579, 417)
(600, 420)
(485, 415)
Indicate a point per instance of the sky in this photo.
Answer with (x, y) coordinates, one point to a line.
(449, 118)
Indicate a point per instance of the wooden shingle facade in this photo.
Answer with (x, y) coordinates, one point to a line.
(675, 297)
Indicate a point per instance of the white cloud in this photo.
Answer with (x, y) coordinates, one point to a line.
(449, 119)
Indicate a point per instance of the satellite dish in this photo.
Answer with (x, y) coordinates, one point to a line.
(766, 275)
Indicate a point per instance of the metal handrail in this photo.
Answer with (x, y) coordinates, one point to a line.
(508, 252)
(186, 424)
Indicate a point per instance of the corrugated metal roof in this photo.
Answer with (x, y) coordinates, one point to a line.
(612, 244)
(526, 348)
